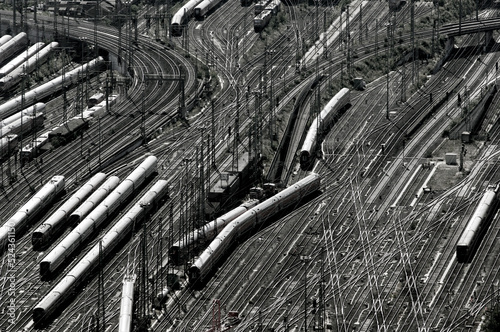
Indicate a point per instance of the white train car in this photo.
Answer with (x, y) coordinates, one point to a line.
(127, 304)
(262, 20)
(204, 7)
(96, 218)
(320, 124)
(8, 145)
(182, 16)
(95, 99)
(255, 216)
(30, 97)
(18, 60)
(477, 225)
(54, 225)
(44, 197)
(207, 232)
(62, 292)
(4, 39)
(32, 110)
(14, 45)
(94, 200)
(16, 75)
(24, 125)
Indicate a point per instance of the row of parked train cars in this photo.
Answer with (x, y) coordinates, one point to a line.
(89, 207)
(264, 10)
(31, 120)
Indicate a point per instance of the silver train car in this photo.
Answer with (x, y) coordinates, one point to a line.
(14, 45)
(54, 225)
(127, 304)
(182, 16)
(16, 75)
(63, 291)
(30, 97)
(18, 60)
(477, 225)
(96, 218)
(320, 124)
(179, 249)
(43, 198)
(255, 216)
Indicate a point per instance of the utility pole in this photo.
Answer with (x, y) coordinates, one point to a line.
(101, 308)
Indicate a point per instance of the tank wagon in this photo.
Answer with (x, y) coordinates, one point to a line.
(14, 45)
(27, 213)
(94, 200)
(30, 97)
(54, 225)
(8, 146)
(63, 291)
(127, 304)
(14, 77)
(253, 217)
(182, 16)
(18, 60)
(477, 225)
(321, 125)
(96, 218)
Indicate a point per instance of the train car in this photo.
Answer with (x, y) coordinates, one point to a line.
(21, 219)
(15, 76)
(24, 125)
(95, 99)
(68, 131)
(32, 110)
(18, 60)
(182, 16)
(8, 146)
(477, 225)
(179, 249)
(34, 148)
(56, 257)
(274, 6)
(241, 225)
(30, 97)
(4, 39)
(63, 291)
(262, 20)
(321, 125)
(127, 304)
(204, 7)
(54, 225)
(94, 200)
(14, 45)
(259, 6)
